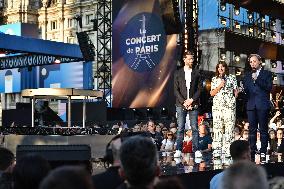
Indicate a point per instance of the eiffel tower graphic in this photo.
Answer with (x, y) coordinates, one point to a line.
(142, 56)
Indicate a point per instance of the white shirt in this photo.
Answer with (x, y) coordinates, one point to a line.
(257, 72)
(187, 74)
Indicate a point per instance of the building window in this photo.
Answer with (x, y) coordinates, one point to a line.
(53, 25)
(70, 40)
(88, 19)
(70, 23)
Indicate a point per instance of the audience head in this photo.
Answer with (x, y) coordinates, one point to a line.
(203, 130)
(151, 126)
(272, 134)
(30, 171)
(69, 177)
(7, 159)
(136, 128)
(112, 151)
(170, 135)
(139, 161)
(276, 183)
(169, 183)
(245, 175)
(279, 133)
(245, 134)
(240, 150)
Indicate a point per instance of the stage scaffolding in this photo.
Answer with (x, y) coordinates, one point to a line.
(104, 49)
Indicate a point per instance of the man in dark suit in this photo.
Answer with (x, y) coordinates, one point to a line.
(257, 85)
(187, 92)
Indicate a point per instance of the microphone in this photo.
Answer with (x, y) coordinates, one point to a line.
(223, 77)
(253, 75)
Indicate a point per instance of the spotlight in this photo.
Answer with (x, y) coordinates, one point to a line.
(238, 72)
(250, 15)
(262, 18)
(272, 21)
(223, 21)
(250, 29)
(273, 64)
(262, 32)
(164, 113)
(222, 54)
(274, 77)
(236, 10)
(237, 58)
(237, 25)
(57, 61)
(222, 5)
(273, 34)
(2, 54)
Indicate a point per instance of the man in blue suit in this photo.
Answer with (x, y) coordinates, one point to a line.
(257, 85)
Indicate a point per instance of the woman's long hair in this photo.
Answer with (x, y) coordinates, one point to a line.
(225, 66)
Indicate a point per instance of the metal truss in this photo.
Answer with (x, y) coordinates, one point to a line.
(190, 35)
(104, 48)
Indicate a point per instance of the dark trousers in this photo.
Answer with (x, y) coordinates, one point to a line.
(258, 118)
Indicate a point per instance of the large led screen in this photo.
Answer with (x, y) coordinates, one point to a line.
(143, 56)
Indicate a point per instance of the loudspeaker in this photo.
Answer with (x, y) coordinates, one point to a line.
(17, 117)
(96, 112)
(59, 155)
(170, 16)
(86, 46)
(56, 152)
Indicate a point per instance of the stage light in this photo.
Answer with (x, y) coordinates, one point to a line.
(164, 113)
(237, 58)
(222, 54)
(273, 64)
(222, 5)
(272, 21)
(2, 54)
(236, 10)
(237, 25)
(262, 18)
(238, 72)
(273, 34)
(223, 21)
(57, 61)
(262, 32)
(274, 77)
(250, 29)
(250, 15)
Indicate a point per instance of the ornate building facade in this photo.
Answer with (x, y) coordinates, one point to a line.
(56, 19)
(59, 19)
(25, 11)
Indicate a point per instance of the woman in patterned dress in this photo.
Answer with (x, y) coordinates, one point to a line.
(224, 91)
